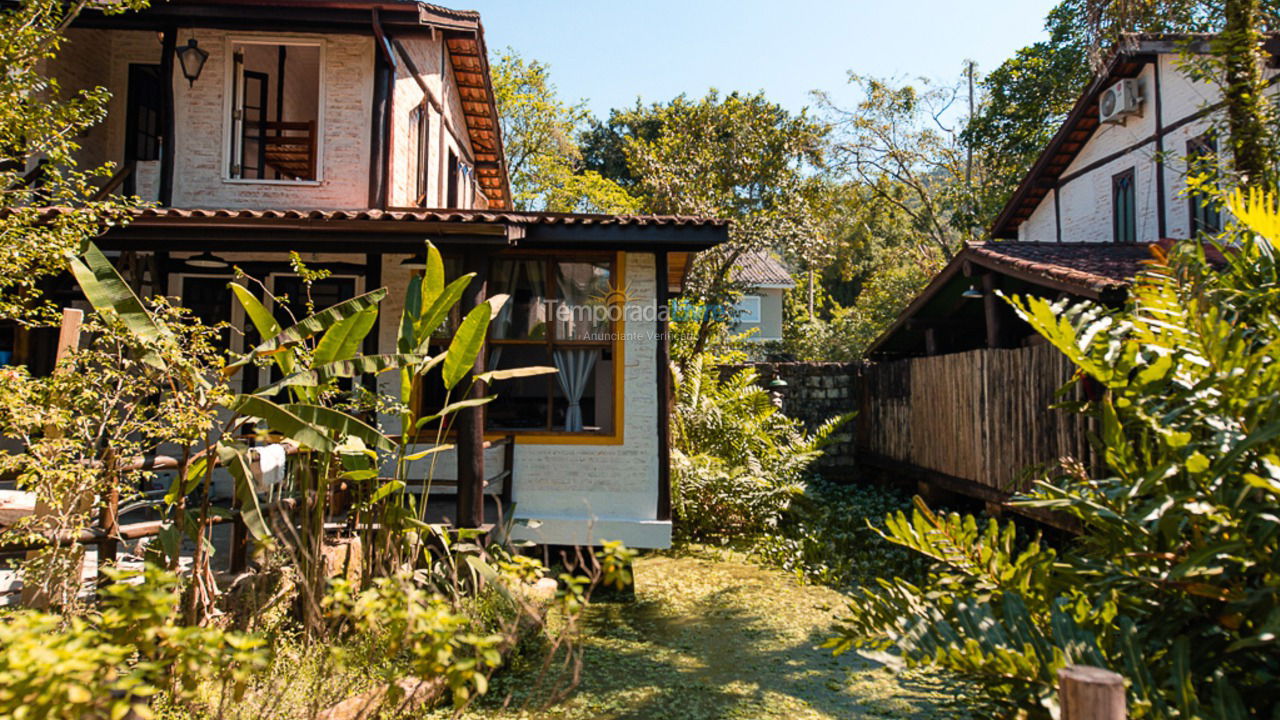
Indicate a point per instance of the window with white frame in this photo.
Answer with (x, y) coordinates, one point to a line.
(748, 309)
(276, 110)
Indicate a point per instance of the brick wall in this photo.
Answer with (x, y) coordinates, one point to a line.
(815, 393)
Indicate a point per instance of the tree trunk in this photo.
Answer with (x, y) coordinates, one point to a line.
(1247, 110)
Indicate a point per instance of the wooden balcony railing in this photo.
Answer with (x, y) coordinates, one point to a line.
(289, 148)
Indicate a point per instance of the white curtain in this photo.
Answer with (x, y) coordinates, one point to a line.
(534, 314)
(575, 368)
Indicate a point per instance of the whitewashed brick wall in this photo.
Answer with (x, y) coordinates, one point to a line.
(95, 57)
(577, 493)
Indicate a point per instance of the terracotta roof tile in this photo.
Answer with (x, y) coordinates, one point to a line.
(1096, 267)
(423, 215)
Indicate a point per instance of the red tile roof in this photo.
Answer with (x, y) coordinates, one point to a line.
(1095, 268)
(411, 215)
(422, 215)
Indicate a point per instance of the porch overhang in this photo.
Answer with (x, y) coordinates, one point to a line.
(173, 229)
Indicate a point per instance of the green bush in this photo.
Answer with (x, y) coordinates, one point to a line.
(108, 663)
(737, 460)
(829, 536)
(1175, 581)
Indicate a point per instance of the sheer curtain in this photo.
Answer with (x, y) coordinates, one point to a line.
(525, 311)
(575, 368)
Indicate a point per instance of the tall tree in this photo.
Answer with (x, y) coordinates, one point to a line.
(1250, 114)
(40, 123)
(539, 134)
(739, 157)
(896, 143)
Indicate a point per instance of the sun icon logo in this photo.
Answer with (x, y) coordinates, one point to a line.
(613, 295)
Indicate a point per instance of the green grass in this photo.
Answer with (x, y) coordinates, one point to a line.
(711, 635)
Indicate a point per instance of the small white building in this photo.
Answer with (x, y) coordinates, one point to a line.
(761, 306)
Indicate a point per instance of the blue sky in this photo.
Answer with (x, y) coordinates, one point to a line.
(610, 52)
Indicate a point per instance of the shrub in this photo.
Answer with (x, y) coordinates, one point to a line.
(1175, 581)
(737, 460)
(111, 662)
(829, 536)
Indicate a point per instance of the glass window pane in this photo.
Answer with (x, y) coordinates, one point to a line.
(522, 402)
(524, 316)
(582, 312)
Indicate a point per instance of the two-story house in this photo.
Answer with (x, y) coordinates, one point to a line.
(960, 389)
(350, 131)
(1112, 180)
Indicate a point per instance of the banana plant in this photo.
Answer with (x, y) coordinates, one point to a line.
(429, 301)
(312, 355)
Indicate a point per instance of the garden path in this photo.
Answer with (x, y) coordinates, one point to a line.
(712, 635)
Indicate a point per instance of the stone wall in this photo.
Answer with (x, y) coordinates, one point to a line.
(815, 393)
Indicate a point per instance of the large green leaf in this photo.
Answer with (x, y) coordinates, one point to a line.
(466, 345)
(285, 421)
(407, 341)
(436, 313)
(321, 321)
(266, 325)
(236, 459)
(107, 291)
(433, 276)
(341, 424)
(258, 314)
(342, 341)
(455, 407)
(354, 367)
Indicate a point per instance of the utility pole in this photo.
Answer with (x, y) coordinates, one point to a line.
(968, 152)
(968, 162)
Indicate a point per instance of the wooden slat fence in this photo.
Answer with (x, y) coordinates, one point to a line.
(983, 416)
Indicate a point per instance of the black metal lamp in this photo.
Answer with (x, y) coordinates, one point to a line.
(207, 260)
(192, 59)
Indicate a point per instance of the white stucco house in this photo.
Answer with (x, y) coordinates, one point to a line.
(351, 131)
(1111, 182)
(760, 309)
(1116, 170)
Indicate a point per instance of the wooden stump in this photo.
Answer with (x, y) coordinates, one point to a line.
(344, 558)
(1090, 693)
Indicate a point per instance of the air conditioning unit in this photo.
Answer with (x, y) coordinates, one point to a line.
(1120, 101)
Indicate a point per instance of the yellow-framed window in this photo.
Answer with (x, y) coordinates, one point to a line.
(562, 311)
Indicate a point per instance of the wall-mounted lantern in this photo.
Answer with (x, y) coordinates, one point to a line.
(192, 59)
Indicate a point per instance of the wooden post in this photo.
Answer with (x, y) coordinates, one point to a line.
(991, 307)
(470, 508)
(1090, 693)
(168, 143)
(69, 332)
(663, 361)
